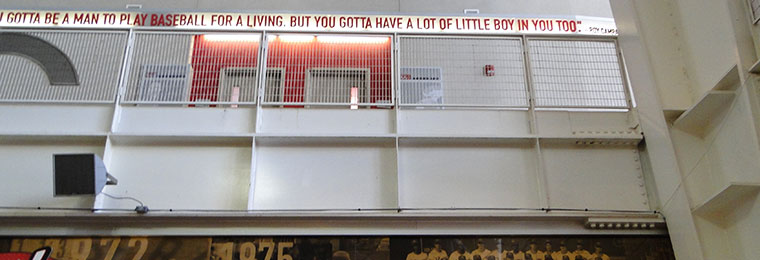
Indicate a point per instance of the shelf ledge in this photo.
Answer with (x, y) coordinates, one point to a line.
(337, 136)
(189, 138)
(725, 198)
(49, 137)
(730, 80)
(695, 118)
(671, 114)
(755, 69)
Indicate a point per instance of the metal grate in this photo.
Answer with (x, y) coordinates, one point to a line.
(329, 70)
(576, 74)
(191, 68)
(96, 58)
(456, 71)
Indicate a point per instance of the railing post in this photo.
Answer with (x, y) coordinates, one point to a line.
(123, 80)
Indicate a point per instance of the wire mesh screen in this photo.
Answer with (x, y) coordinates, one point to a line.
(61, 66)
(329, 70)
(576, 74)
(197, 69)
(443, 71)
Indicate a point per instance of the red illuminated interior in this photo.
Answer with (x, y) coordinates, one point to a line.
(209, 57)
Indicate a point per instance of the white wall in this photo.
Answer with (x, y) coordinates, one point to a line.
(59, 119)
(727, 153)
(316, 121)
(587, 124)
(27, 173)
(180, 176)
(325, 174)
(184, 120)
(474, 175)
(699, 24)
(691, 45)
(666, 53)
(742, 227)
(579, 176)
(463, 122)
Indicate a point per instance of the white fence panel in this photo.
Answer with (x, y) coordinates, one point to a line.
(458, 71)
(96, 57)
(576, 74)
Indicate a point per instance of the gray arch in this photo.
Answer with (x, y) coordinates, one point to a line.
(55, 63)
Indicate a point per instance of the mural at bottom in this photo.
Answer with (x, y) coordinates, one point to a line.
(339, 248)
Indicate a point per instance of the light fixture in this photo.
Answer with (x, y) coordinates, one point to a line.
(354, 98)
(624, 223)
(294, 38)
(351, 39)
(231, 37)
(300, 38)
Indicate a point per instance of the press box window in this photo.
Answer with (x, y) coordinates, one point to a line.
(324, 70)
(194, 69)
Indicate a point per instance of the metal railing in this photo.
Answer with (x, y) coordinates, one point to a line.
(308, 70)
(576, 74)
(96, 58)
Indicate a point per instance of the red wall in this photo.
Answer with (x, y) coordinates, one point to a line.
(208, 57)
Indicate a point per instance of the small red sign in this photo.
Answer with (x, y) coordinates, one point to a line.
(489, 70)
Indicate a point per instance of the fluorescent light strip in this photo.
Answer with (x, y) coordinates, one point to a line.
(231, 37)
(351, 39)
(294, 38)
